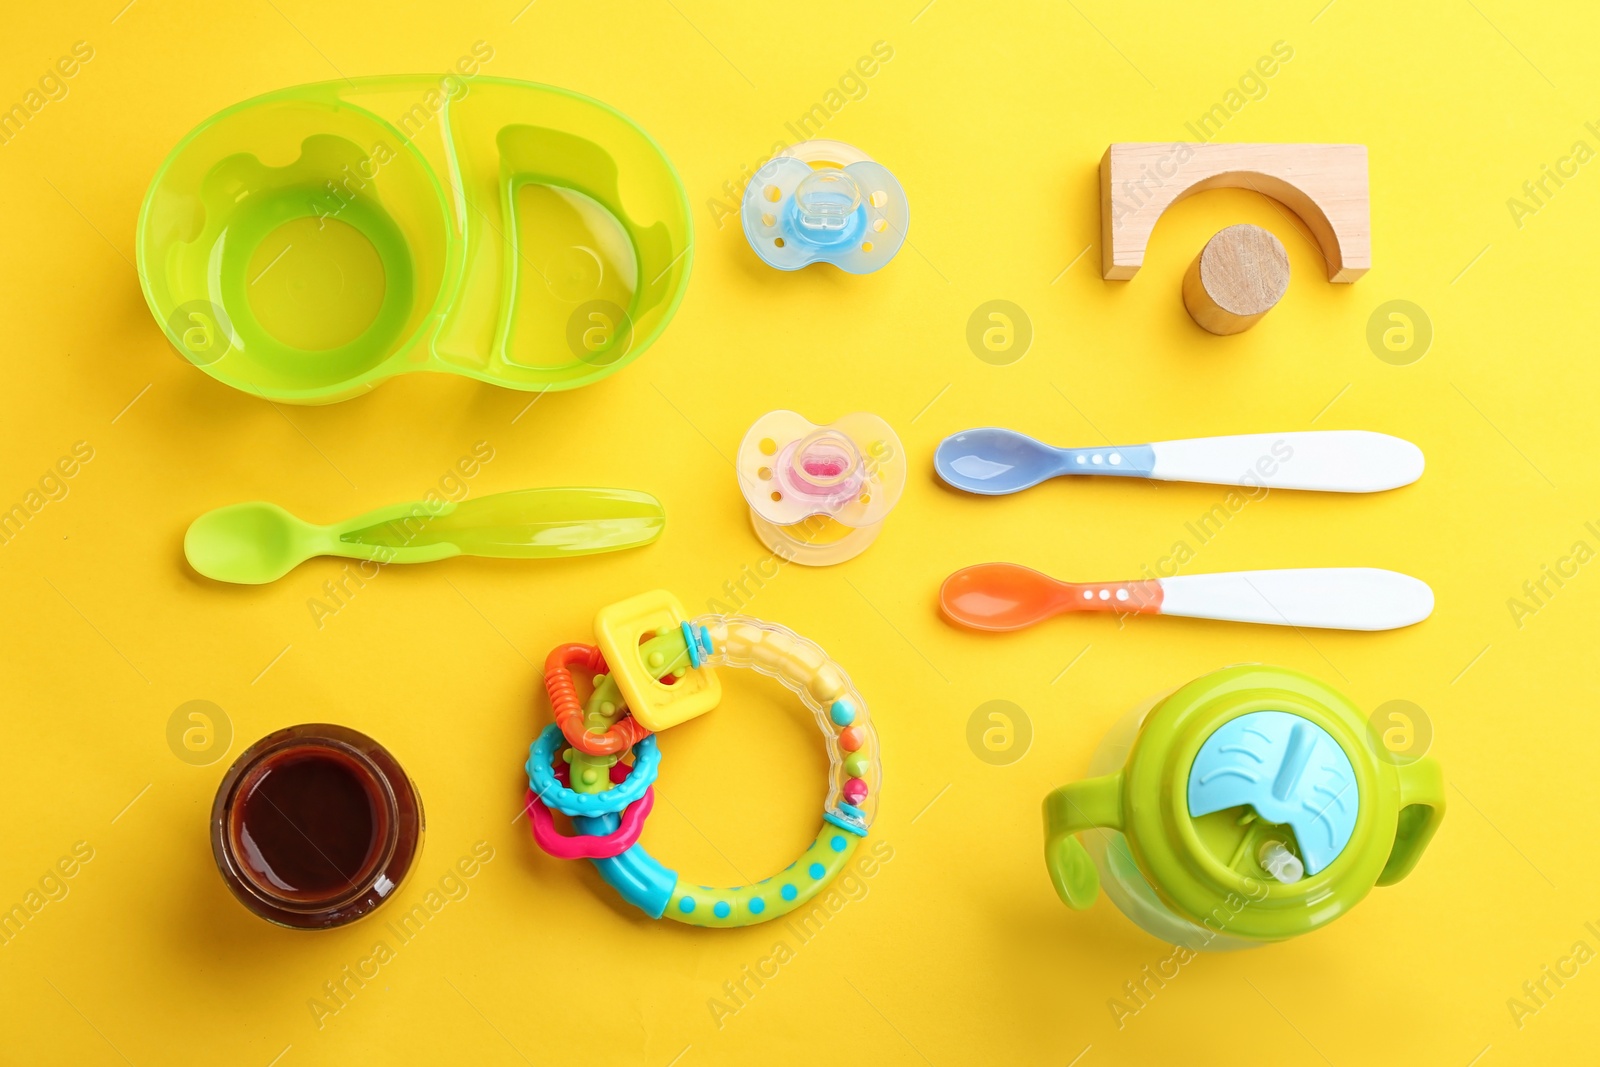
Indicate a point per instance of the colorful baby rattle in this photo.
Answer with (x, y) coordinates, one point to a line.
(654, 667)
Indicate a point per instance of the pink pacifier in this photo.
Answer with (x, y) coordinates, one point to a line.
(819, 494)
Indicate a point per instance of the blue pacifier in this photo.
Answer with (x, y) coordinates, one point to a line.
(825, 201)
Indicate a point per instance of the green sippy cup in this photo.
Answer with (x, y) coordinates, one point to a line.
(1250, 805)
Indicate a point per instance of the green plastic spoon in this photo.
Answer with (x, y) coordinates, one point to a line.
(259, 542)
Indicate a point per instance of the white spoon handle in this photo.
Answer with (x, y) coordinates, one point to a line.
(1340, 598)
(1338, 461)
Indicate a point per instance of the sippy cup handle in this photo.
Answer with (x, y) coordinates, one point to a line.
(1421, 811)
(1087, 805)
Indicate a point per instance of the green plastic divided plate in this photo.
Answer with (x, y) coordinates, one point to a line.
(306, 245)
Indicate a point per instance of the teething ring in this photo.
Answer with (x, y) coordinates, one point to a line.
(569, 709)
(584, 847)
(642, 641)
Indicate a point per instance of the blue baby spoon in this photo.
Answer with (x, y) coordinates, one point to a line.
(995, 461)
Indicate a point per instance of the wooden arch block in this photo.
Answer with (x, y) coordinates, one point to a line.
(1325, 184)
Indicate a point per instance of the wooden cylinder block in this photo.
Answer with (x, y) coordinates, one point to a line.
(1237, 278)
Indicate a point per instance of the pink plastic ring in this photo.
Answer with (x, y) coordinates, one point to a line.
(581, 847)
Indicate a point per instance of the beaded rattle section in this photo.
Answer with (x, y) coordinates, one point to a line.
(803, 668)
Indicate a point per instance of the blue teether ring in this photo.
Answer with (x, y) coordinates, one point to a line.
(542, 780)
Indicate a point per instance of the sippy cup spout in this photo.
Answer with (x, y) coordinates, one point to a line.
(1282, 864)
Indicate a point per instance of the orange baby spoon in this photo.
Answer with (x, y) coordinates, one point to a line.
(1005, 596)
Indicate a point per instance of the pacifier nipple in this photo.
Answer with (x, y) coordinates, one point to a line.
(818, 494)
(825, 467)
(826, 200)
(823, 201)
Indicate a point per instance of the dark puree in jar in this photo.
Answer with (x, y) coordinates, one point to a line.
(309, 825)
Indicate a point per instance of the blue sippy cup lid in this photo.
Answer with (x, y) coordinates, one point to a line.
(1287, 768)
(825, 201)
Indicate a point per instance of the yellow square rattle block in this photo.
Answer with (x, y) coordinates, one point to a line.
(630, 634)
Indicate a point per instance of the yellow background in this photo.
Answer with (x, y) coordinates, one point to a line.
(994, 119)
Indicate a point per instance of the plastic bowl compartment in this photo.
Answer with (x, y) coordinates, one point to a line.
(307, 245)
